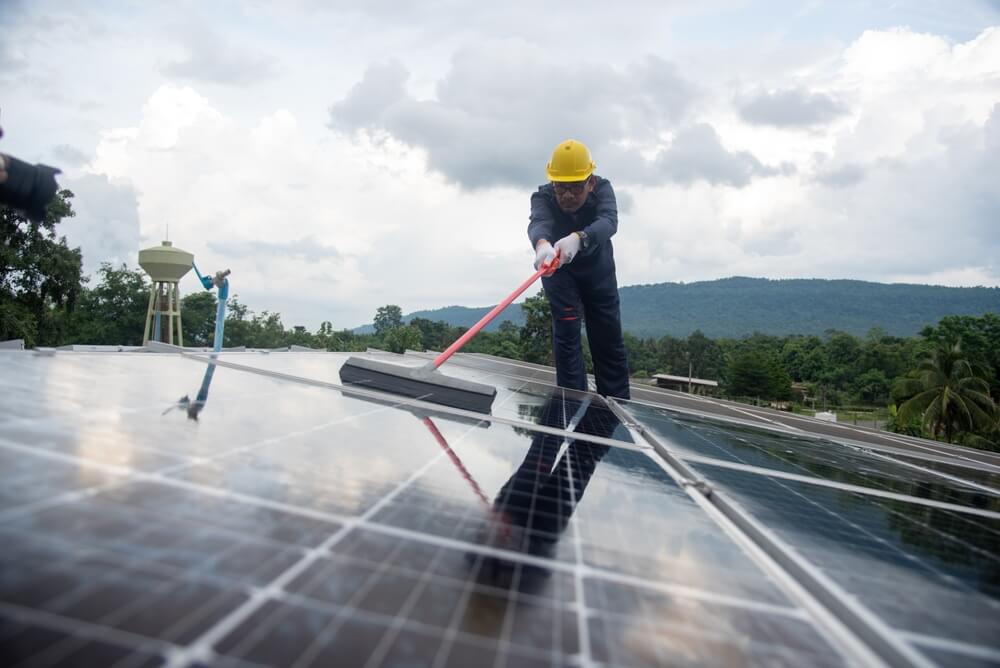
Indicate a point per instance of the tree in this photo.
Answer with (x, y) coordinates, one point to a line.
(267, 331)
(238, 324)
(705, 355)
(980, 339)
(246, 328)
(400, 339)
(40, 275)
(507, 341)
(803, 357)
(387, 318)
(948, 394)
(671, 355)
(114, 311)
(872, 386)
(198, 311)
(536, 335)
(753, 373)
(435, 335)
(641, 354)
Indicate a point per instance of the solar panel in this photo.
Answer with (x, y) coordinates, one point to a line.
(978, 473)
(930, 572)
(808, 456)
(518, 398)
(161, 510)
(872, 438)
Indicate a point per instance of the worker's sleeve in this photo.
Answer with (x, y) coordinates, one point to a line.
(606, 222)
(541, 221)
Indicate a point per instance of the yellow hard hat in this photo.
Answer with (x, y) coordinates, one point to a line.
(570, 162)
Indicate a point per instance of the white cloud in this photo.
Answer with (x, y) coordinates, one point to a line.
(793, 107)
(504, 103)
(875, 160)
(344, 226)
(106, 224)
(213, 57)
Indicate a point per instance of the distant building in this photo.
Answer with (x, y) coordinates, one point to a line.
(685, 383)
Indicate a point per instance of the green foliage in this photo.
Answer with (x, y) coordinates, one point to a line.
(536, 335)
(40, 275)
(387, 318)
(980, 339)
(246, 328)
(950, 394)
(803, 357)
(434, 335)
(114, 311)
(737, 307)
(198, 311)
(755, 373)
(402, 338)
(872, 387)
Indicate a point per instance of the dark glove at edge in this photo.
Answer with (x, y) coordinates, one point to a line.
(29, 188)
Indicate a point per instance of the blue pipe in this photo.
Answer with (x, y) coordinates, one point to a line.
(220, 313)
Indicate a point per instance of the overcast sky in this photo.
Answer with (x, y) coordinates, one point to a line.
(339, 156)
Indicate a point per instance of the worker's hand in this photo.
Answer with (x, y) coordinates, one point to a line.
(568, 247)
(544, 254)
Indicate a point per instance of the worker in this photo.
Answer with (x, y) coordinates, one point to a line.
(575, 215)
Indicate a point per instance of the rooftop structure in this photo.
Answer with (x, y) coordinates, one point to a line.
(684, 382)
(280, 519)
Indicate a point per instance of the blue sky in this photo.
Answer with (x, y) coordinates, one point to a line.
(341, 156)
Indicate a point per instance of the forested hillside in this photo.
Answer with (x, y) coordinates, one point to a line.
(737, 307)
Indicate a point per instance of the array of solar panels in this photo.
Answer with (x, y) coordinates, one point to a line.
(160, 509)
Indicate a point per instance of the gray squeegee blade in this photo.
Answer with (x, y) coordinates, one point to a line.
(418, 383)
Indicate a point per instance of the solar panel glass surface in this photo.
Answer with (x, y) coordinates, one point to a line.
(805, 455)
(927, 571)
(165, 508)
(518, 398)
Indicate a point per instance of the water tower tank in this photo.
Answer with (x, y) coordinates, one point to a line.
(165, 265)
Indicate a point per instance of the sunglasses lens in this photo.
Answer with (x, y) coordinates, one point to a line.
(575, 188)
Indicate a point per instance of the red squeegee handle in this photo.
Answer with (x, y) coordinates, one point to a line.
(462, 340)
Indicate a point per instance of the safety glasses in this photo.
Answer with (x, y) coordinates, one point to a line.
(573, 187)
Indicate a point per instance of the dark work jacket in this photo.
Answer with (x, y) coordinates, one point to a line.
(598, 217)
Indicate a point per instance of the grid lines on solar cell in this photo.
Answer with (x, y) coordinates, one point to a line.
(276, 523)
(803, 455)
(925, 570)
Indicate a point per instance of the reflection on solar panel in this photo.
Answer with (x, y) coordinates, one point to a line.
(170, 510)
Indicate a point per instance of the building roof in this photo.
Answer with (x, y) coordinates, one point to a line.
(684, 379)
(171, 509)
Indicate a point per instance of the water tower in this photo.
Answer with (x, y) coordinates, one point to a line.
(165, 265)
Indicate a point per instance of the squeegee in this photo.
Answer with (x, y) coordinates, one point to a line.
(426, 382)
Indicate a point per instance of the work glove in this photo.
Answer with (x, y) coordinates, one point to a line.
(568, 247)
(544, 254)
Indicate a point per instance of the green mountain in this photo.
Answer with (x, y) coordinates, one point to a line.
(735, 307)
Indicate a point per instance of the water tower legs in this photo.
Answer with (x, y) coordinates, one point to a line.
(164, 302)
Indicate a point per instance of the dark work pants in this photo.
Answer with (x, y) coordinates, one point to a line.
(590, 294)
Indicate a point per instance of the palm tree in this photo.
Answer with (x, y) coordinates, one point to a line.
(948, 394)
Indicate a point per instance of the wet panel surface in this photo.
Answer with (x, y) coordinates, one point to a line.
(804, 455)
(965, 470)
(21, 641)
(158, 496)
(614, 509)
(518, 398)
(922, 569)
